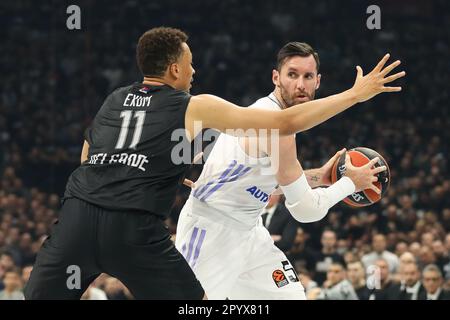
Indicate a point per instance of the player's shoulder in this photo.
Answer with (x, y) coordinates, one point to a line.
(268, 102)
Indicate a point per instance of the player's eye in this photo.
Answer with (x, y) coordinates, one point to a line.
(292, 75)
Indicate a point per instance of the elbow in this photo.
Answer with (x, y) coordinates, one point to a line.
(308, 214)
(310, 218)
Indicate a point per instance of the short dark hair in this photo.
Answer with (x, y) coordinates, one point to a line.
(158, 48)
(291, 49)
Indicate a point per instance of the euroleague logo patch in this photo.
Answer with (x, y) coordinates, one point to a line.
(279, 278)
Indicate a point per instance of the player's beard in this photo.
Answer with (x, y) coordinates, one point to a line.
(289, 100)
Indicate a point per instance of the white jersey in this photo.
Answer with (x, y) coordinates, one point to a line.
(220, 231)
(232, 184)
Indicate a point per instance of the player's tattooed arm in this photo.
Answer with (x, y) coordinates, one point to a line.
(314, 177)
(323, 174)
(319, 176)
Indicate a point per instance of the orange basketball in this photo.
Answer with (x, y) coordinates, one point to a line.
(359, 157)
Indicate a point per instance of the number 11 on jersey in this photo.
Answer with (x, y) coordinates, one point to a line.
(126, 116)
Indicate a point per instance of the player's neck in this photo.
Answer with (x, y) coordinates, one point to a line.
(156, 81)
(280, 99)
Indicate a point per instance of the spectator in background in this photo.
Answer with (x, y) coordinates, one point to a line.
(306, 280)
(380, 252)
(426, 256)
(12, 241)
(27, 256)
(411, 287)
(336, 286)
(387, 288)
(406, 258)
(357, 277)
(26, 272)
(300, 254)
(414, 248)
(326, 257)
(6, 263)
(280, 223)
(427, 239)
(441, 254)
(432, 281)
(447, 242)
(13, 286)
(400, 248)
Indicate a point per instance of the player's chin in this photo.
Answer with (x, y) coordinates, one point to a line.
(299, 100)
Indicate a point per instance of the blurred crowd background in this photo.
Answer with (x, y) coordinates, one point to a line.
(53, 81)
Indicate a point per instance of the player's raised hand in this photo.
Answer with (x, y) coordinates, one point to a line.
(369, 85)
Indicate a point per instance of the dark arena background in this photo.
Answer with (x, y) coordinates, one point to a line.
(57, 67)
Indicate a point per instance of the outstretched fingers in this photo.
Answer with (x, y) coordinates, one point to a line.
(372, 162)
(382, 62)
(390, 67)
(379, 169)
(394, 77)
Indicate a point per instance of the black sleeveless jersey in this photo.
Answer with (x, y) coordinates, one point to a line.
(136, 143)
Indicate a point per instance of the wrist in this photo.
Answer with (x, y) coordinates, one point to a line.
(340, 190)
(352, 95)
(324, 180)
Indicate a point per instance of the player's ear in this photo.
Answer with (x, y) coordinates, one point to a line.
(319, 76)
(275, 77)
(174, 70)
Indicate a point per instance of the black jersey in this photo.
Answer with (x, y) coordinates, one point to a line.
(131, 141)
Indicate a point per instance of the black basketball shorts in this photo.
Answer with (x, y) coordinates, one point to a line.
(134, 247)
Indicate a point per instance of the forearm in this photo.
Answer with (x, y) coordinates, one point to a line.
(214, 112)
(314, 177)
(308, 205)
(310, 114)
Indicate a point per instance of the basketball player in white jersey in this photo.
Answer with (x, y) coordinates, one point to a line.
(220, 232)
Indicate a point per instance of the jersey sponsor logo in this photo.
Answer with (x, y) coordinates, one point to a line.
(279, 278)
(203, 192)
(144, 90)
(258, 193)
(133, 100)
(132, 160)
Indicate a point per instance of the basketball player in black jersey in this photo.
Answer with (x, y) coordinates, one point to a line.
(111, 220)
